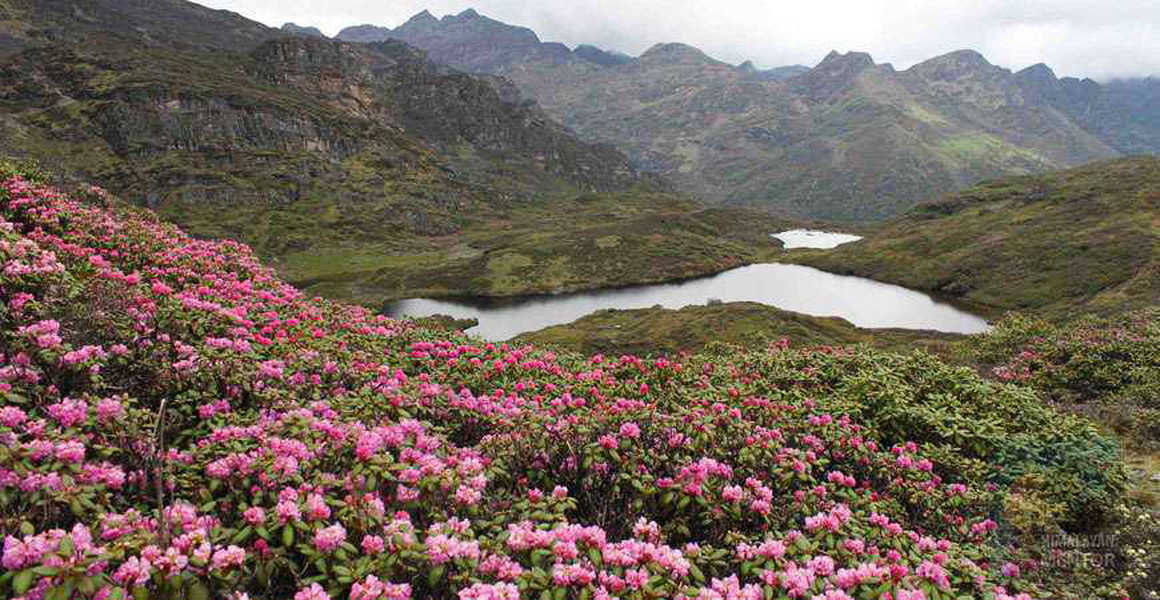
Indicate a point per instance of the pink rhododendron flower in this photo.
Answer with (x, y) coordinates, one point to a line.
(312, 592)
(329, 538)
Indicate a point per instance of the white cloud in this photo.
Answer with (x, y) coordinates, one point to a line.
(1085, 38)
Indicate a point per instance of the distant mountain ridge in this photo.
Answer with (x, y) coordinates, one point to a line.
(293, 29)
(476, 43)
(848, 139)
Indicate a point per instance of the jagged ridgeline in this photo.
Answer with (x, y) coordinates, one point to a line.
(848, 139)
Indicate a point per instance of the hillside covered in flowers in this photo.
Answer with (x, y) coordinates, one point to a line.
(178, 423)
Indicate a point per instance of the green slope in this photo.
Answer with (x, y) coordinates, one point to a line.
(662, 331)
(1078, 240)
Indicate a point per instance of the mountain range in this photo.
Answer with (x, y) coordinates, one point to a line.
(848, 139)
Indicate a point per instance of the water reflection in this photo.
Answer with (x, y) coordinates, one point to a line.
(863, 302)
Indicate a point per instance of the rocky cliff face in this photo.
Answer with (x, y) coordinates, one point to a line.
(293, 29)
(152, 23)
(472, 42)
(378, 134)
(394, 84)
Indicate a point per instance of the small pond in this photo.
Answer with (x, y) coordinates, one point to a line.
(811, 238)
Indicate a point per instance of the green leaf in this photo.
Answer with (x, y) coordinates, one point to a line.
(242, 535)
(60, 592)
(197, 591)
(22, 582)
(434, 576)
(66, 547)
(288, 536)
(44, 571)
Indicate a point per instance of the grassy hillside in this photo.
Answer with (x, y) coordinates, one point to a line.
(586, 241)
(1081, 240)
(662, 331)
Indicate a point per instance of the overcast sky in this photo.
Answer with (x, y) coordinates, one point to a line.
(1086, 38)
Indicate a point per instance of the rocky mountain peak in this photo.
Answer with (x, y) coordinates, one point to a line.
(1038, 71)
(954, 65)
(294, 29)
(1040, 79)
(850, 62)
(364, 33)
(420, 22)
(835, 73)
(674, 53)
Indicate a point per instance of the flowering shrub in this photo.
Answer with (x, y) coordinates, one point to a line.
(179, 423)
(1110, 366)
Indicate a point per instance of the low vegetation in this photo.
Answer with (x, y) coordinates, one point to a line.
(667, 332)
(586, 241)
(1109, 366)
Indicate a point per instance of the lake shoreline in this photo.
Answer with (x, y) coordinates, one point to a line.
(985, 311)
(865, 303)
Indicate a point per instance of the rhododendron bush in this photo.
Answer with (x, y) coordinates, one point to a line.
(1108, 365)
(177, 422)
